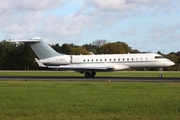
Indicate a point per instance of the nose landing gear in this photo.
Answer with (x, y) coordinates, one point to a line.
(160, 72)
(160, 75)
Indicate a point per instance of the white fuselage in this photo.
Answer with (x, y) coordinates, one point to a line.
(90, 64)
(119, 61)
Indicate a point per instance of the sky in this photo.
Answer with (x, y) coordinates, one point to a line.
(146, 25)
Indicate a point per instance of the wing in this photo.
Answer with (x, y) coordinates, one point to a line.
(98, 68)
(103, 67)
(82, 67)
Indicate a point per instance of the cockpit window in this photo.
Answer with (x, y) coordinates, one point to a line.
(157, 57)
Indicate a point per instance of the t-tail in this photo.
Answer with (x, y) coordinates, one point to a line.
(41, 49)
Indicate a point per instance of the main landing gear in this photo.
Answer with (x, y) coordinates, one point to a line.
(90, 74)
(160, 72)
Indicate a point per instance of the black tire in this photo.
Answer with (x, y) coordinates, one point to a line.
(160, 75)
(93, 74)
(87, 74)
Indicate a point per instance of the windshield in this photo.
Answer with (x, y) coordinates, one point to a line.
(157, 57)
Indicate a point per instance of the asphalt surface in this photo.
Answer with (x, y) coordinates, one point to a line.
(95, 79)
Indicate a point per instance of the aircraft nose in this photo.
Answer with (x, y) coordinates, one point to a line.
(170, 63)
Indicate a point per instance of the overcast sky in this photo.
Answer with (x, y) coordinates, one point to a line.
(146, 25)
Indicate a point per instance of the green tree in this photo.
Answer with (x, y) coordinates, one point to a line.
(6, 54)
(79, 51)
(125, 46)
(111, 48)
(135, 51)
(99, 43)
(66, 48)
(91, 48)
(16, 56)
(57, 48)
(176, 59)
(25, 57)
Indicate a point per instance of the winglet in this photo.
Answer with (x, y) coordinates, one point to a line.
(39, 63)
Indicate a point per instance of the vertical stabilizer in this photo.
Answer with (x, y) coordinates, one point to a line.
(42, 49)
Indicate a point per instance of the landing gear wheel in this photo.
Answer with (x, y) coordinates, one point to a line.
(160, 74)
(90, 74)
(93, 74)
(87, 74)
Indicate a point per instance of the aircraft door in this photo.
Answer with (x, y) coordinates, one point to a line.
(164, 63)
(71, 59)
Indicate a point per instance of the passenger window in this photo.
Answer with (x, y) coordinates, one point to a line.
(114, 59)
(119, 59)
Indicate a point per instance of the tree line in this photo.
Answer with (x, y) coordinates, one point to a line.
(20, 56)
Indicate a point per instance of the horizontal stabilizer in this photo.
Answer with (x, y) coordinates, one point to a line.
(36, 39)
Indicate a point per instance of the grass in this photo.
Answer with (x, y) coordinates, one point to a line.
(20, 100)
(99, 74)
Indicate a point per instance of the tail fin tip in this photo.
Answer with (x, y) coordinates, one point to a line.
(36, 38)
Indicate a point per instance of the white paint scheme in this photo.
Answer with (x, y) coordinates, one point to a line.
(90, 64)
(114, 61)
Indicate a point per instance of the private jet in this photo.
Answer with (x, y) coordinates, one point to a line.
(90, 64)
